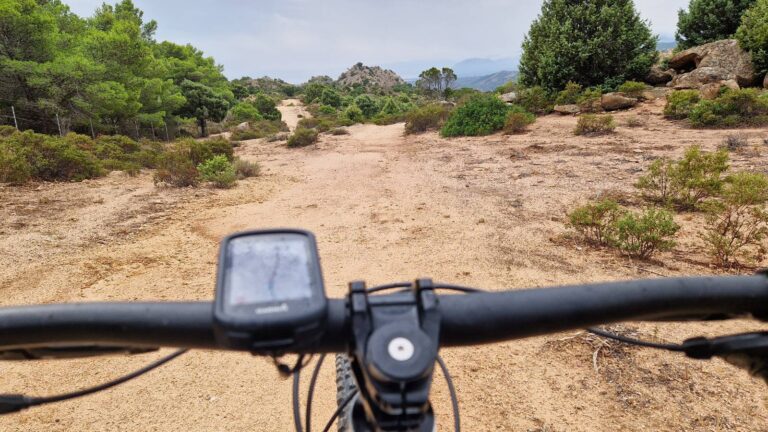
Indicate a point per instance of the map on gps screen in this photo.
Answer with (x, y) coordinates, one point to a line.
(268, 268)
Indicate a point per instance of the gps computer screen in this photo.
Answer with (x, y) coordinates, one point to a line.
(268, 268)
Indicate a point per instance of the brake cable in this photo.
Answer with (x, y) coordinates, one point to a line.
(16, 402)
(637, 342)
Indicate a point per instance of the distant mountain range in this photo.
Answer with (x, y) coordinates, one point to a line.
(485, 82)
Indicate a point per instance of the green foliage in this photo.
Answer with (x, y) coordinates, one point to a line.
(687, 182)
(244, 112)
(176, 168)
(354, 114)
(708, 21)
(267, 107)
(482, 114)
(201, 151)
(737, 225)
(326, 110)
(312, 92)
(753, 34)
(536, 100)
(339, 131)
(732, 108)
(633, 88)
(680, 103)
(570, 95)
(302, 137)
(642, 235)
(106, 70)
(518, 120)
(509, 86)
(596, 222)
(330, 97)
(28, 155)
(428, 117)
(258, 129)
(593, 125)
(589, 43)
(367, 105)
(218, 171)
(246, 169)
(590, 100)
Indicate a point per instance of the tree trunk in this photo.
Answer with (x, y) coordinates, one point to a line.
(203, 127)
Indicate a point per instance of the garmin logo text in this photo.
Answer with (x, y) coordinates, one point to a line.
(282, 307)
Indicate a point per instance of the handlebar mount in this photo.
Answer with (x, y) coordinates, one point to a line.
(394, 349)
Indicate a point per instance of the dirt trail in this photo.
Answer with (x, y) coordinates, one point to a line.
(481, 211)
(292, 111)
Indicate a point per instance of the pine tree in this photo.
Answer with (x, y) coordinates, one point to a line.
(709, 20)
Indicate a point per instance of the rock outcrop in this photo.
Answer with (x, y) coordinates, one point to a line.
(718, 61)
(369, 77)
(510, 97)
(617, 101)
(659, 75)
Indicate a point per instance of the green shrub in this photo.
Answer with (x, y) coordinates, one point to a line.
(596, 222)
(732, 108)
(339, 131)
(218, 171)
(201, 151)
(175, 167)
(518, 120)
(367, 105)
(244, 135)
(6, 131)
(570, 95)
(642, 235)
(588, 42)
(267, 107)
(354, 114)
(633, 88)
(54, 158)
(680, 103)
(330, 97)
(246, 169)
(753, 34)
(737, 225)
(302, 137)
(590, 101)
(593, 125)
(481, 115)
(535, 100)
(709, 20)
(245, 112)
(634, 122)
(14, 167)
(259, 129)
(326, 110)
(687, 182)
(428, 117)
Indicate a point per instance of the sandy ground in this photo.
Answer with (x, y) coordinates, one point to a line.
(486, 212)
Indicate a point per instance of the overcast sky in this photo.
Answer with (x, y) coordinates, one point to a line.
(295, 39)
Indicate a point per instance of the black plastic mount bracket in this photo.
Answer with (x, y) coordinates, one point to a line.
(395, 343)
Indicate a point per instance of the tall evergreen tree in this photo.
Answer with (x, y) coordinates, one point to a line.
(592, 43)
(709, 20)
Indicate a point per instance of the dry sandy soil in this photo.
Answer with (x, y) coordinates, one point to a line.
(487, 212)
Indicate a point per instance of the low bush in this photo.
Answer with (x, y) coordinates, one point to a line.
(481, 115)
(590, 101)
(302, 137)
(354, 114)
(266, 107)
(49, 158)
(244, 112)
(634, 122)
(14, 167)
(339, 131)
(7, 131)
(633, 88)
(570, 95)
(642, 235)
(535, 100)
(218, 171)
(201, 151)
(518, 120)
(330, 97)
(687, 182)
(246, 169)
(680, 103)
(735, 143)
(367, 105)
(175, 168)
(244, 135)
(326, 110)
(259, 129)
(596, 222)
(732, 108)
(737, 224)
(428, 117)
(593, 125)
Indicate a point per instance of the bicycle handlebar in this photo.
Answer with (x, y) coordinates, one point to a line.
(471, 319)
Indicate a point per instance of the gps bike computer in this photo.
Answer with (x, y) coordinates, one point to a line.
(269, 291)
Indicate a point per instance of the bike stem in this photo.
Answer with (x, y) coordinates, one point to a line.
(395, 343)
